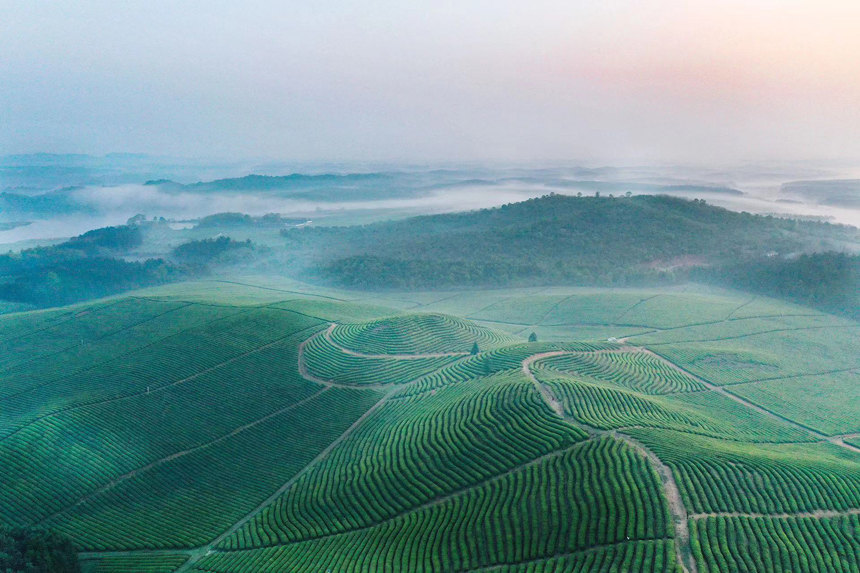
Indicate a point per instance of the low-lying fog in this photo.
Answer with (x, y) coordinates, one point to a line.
(424, 192)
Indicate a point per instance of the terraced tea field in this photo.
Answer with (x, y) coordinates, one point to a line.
(226, 427)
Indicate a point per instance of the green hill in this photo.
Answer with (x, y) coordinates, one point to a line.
(555, 240)
(223, 427)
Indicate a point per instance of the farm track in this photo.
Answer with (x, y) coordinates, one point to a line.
(304, 373)
(819, 514)
(634, 305)
(752, 406)
(435, 501)
(791, 376)
(117, 356)
(117, 481)
(98, 338)
(154, 390)
(670, 488)
(281, 290)
(652, 329)
(70, 318)
(729, 316)
(773, 331)
(667, 479)
(346, 350)
(197, 553)
(591, 549)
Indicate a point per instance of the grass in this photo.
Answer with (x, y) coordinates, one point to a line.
(187, 501)
(594, 494)
(768, 545)
(410, 452)
(134, 564)
(163, 419)
(829, 403)
(417, 334)
(726, 476)
(326, 361)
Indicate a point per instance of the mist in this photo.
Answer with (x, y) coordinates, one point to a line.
(761, 191)
(609, 83)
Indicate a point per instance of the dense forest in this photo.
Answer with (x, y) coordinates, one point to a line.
(552, 240)
(607, 241)
(28, 550)
(86, 266)
(217, 250)
(829, 281)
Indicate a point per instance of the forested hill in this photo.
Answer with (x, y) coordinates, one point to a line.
(556, 239)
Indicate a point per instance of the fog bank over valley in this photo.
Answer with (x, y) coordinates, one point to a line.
(34, 205)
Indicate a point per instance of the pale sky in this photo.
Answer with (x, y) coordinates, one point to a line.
(388, 80)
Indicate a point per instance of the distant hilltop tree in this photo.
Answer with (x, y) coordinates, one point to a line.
(206, 251)
(475, 348)
(111, 239)
(532, 337)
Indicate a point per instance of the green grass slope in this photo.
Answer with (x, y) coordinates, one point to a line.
(262, 428)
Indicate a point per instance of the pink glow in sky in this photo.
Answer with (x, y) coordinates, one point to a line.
(697, 81)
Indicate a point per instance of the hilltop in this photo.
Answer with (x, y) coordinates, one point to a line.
(555, 239)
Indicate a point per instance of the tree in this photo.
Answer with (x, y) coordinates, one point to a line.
(532, 337)
(35, 550)
(475, 348)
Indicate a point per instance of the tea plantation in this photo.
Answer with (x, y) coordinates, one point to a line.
(264, 427)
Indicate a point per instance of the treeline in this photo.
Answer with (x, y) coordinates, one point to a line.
(29, 550)
(828, 281)
(605, 241)
(86, 266)
(92, 265)
(218, 250)
(222, 220)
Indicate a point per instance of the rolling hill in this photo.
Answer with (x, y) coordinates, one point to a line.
(555, 239)
(240, 426)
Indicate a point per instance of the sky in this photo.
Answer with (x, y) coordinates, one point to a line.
(432, 80)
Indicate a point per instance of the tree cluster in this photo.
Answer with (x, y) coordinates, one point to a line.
(29, 550)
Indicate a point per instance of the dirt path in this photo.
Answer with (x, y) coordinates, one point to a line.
(150, 391)
(667, 479)
(757, 333)
(676, 504)
(201, 552)
(346, 350)
(669, 485)
(305, 373)
(197, 553)
(133, 552)
(592, 549)
(117, 481)
(437, 500)
(55, 352)
(836, 440)
(631, 307)
(818, 514)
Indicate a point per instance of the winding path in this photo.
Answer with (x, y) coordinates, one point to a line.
(836, 440)
(670, 486)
